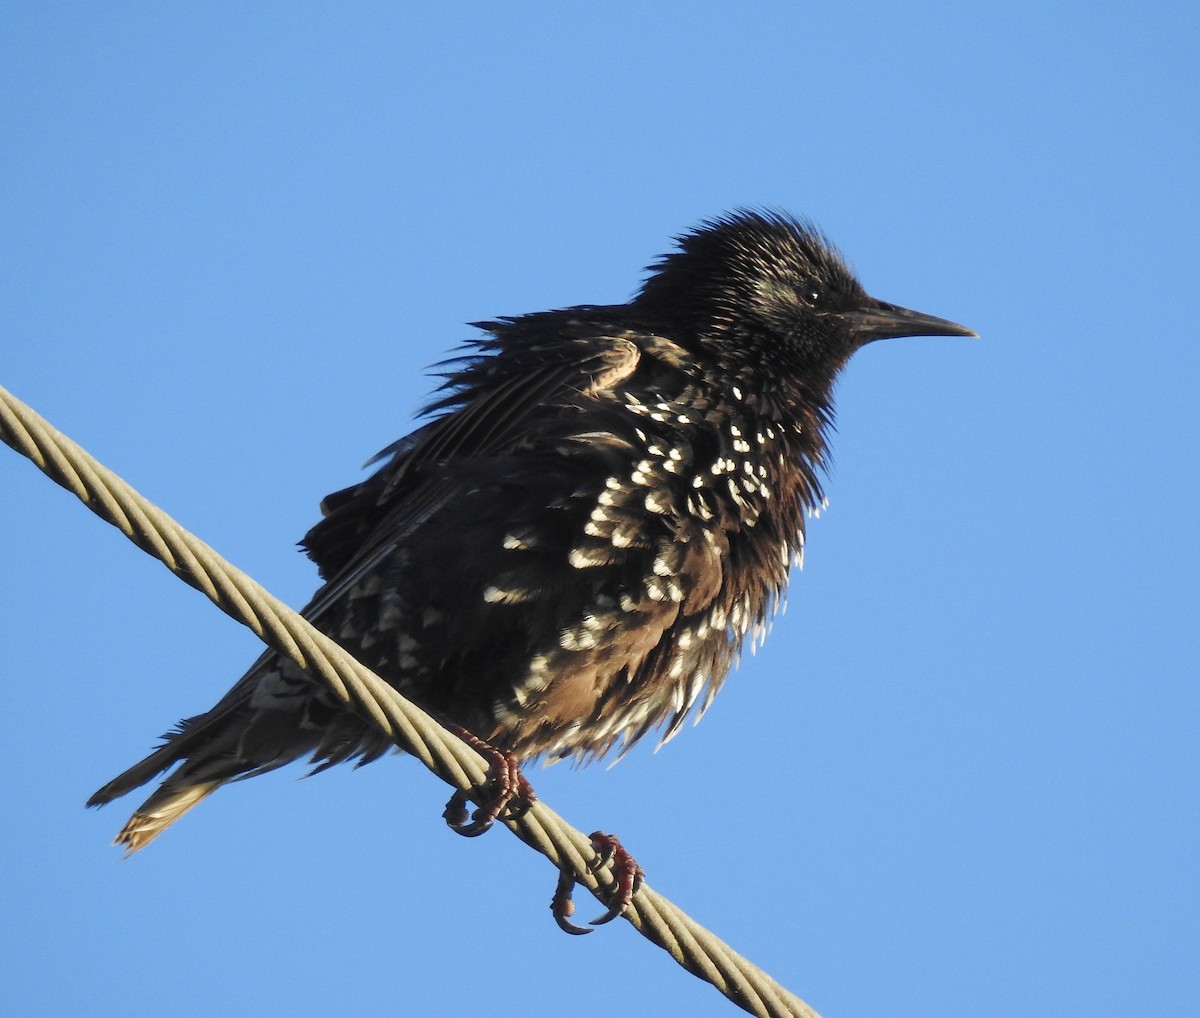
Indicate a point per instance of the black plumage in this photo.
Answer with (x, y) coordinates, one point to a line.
(602, 508)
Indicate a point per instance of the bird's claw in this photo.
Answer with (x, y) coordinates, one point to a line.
(510, 795)
(562, 905)
(628, 875)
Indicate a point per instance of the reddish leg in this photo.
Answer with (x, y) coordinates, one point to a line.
(510, 793)
(629, 875)
(629, 878)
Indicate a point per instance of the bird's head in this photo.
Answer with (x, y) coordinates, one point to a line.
(770, 298)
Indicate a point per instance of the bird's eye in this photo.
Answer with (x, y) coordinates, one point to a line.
(813, 296)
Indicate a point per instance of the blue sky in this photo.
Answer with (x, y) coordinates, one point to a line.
(961, 777)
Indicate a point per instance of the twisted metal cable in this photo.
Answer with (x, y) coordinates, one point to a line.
(451, 759)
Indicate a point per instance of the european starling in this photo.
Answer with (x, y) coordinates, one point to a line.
(603, 505)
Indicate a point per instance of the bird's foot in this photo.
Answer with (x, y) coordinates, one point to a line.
(509, 794)
(629, 877)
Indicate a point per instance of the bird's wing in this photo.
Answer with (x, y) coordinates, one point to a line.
(485, 414)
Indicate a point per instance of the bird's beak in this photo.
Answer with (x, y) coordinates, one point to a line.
(887, 321)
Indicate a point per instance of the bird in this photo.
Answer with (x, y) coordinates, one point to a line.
(599, 507)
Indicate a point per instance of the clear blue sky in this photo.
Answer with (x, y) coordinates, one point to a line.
(961, 779)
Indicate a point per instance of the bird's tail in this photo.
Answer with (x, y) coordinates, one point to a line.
(174, 797)
(270, 718)
(161, 810)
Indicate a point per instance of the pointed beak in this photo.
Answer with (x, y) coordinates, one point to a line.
(878, 320)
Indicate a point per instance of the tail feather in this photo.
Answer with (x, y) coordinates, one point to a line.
(270, 718)
(161, 810)
(205, 745)
(141, 772)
